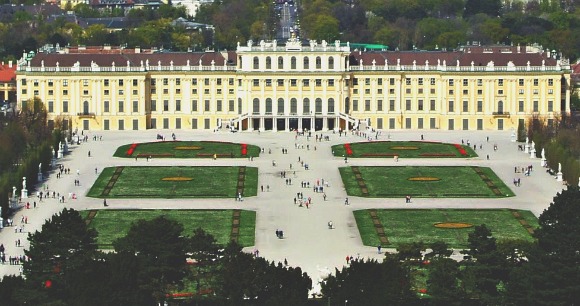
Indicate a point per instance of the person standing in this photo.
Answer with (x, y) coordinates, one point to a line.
(105, 203)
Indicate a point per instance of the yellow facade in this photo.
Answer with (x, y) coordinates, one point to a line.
(315, 87)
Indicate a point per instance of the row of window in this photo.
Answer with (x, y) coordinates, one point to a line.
(293, 63)
(280, 107)
(422, 106)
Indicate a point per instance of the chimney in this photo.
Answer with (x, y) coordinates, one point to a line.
(137, 50)
(9, 64)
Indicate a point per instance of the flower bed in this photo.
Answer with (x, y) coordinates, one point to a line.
(424, 178)
(188, 148)
(437, 155)
(131, 149)
(404, 148)
(460, 149)
(379, 154)
(348, 149)
(177, 179)
(244, 149)
(452, 225)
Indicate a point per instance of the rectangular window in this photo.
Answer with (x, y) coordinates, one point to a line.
(451, 82)
(193, 82)
(379, 81)
(206, 124)
(121, 106)
(465, 91)
(432, 81)
(479, 106)
(354, 82)
(106, 124)
(451, 124)
(465, 82)
(432, 123)
(219, 82)
(391, 81)
(256, 82)
(121, 124)
(268, 82)
(420, 91)
(280, 82)
(465, 124)
(451, 107)
(153, 105)
(330, 83)
(479, 124)
(305, 83)
(367, 105)
(500, 82)
(521, 82)
(408, 90)
(85, 92)
(206, 106)
(231, 81)
(391, 105)
(178, 123)
(135, 106)
(166, 123)
(380, 123)
(318, 82)
(64, 83)
(480, 92)
(550, 106)
(231, 106)
(408, 124)
(479, 82)
(500, 92)
(536, 107)
(550, 91)
(135, 124)
(367, 91)
(153, 82)
(521, 91)
(392, 123)
(106, 106)
(165, 105)
(86, 82)
(293, 82)
(177, 105)
(194, 124)
(367, 81)
(450, 91)
(550, 82)
(432, 105)
(355, 105)
(194, 105)
(420, 105)
(51, 106)
(520, 106)
(408, 105)
(420, 123)
(380, 105)
(465, 106)
(536, 82)
(407, 81)
(420, 81)
(165, 81)
(51, 92)
(219, 105)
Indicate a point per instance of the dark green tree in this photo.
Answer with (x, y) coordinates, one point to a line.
(63, 246)
(439, 249)
(488, 7)
(443, 282)
(160, 248)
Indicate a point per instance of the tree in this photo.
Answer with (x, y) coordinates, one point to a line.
(160, 248)
(439, 249)
(443, 282)
(488, 7)
(370, 283)
(64, 245)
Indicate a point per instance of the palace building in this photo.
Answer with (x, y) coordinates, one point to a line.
(320, 86)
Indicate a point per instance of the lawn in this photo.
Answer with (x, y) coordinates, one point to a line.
(404, 149)
(414, 225)
(174, 182)
(112, 223)
(187, 149)
(424, 181)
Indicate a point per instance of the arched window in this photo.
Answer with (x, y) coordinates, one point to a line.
(500, 107)
(256, 106)
(318, 106)
(256, 62)
(331, 106)
(293, 62)
(331, 62)
(306, 106)
(318, 62)
(268, 106)
(293, 106)
(268, 63)
(86, 107)
(280, 106)
(280, 63)
(306, 63)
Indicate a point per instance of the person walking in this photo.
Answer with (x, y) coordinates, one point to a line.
(105, 203)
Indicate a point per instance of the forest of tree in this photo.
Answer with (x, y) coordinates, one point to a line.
(400, 24)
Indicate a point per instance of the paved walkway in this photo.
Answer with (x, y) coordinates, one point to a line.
(307, 242)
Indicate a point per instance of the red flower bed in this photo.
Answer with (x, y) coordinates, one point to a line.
(244, 149)
(460, 149)
(131, 149)
(348, 149)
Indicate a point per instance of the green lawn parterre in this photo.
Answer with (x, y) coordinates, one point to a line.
(404, 149)
(188, 149)
(414, 225)
(115, 223)
(454, 181)
(146, 182)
